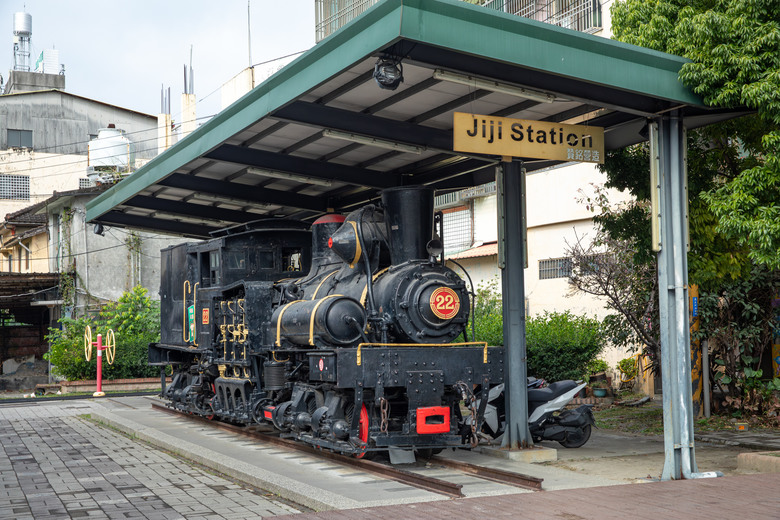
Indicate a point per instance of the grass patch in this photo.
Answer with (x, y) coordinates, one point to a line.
(648, 420)
(643, 420)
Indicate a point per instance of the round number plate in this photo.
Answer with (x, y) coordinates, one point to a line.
(445, 303)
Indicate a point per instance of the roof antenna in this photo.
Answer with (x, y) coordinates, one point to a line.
(189, 77)
(249, 32)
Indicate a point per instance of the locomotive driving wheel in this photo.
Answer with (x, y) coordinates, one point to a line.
(363, 429)
(364, 426)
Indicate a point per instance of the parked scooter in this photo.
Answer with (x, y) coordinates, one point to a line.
(546, 421)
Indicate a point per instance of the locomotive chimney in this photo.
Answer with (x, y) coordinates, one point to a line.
(409, 221)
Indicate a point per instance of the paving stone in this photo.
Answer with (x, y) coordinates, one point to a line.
(55, 465)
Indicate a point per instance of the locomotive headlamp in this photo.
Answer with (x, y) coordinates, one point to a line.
(388, 73)
(434, 246)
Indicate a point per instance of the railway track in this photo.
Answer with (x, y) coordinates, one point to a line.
(35, 401)
(410, 478)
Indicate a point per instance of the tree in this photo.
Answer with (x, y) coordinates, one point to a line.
(733, 173)
(734, 46)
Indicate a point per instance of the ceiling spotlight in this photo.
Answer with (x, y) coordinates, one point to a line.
(388, 73)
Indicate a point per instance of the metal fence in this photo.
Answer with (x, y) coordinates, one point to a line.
(580, 15)
(331, 15)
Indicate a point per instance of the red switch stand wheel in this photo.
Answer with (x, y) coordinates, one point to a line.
(109, 347)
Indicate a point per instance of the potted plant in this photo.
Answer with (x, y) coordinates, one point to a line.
(599, 388)
(597, 369)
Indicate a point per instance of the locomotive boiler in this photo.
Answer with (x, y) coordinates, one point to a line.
(340, 335)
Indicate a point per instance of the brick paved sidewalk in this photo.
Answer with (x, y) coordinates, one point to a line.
(751, 497)
(54, 465)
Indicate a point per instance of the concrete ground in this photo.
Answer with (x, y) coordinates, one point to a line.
(629, 458)
(56, 464)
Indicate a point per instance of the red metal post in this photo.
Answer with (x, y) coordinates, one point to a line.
(100, 392)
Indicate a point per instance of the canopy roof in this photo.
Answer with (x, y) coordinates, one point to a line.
(273, 153)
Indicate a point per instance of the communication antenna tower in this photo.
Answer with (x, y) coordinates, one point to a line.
(22, 36)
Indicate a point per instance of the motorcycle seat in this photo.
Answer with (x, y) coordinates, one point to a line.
(542, 395)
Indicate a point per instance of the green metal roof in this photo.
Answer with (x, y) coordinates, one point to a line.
(223, 173)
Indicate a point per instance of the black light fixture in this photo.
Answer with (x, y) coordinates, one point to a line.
(388, 73)
(98, 229)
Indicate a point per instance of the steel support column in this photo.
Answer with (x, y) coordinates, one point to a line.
(511, 235)
(668, 142)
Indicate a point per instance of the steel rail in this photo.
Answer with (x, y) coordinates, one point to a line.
(431, 484)
(492, 474)
(38, 400)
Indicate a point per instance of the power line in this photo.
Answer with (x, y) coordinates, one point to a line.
(27, 293)
(86, 157)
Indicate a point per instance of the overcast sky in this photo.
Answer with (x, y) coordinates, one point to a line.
(120, 52)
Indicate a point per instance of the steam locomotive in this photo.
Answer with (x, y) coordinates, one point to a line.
(339, 335)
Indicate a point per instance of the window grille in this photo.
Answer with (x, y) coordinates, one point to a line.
(579, 15)
(457, 231)
(19, 138)
(554, 268)
(14, 187)
(331, 15)
(85, 183)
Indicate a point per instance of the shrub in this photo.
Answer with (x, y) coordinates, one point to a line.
(560, 345)
(596, 366)
(135, 319)
(488, 314)
(628, 369)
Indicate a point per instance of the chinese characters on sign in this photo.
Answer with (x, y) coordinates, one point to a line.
(529, 139)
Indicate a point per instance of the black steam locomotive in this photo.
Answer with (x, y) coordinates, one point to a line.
(339, 335)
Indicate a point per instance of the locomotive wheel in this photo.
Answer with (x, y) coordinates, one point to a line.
(363, 429)
(210, 416)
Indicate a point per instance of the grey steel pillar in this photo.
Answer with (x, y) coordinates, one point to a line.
(511, 235)
(668, 146)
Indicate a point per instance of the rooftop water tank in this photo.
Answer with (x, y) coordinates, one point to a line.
(111, 148)
(22, 24)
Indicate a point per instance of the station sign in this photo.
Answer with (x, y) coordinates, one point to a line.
(526, 138)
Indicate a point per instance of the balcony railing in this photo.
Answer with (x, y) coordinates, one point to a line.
(331, 15)
(580, 15)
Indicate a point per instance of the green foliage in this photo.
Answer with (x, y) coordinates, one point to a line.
(628, 368)
(596, 366)
(749, 206)
(135, 320)
(561, 345)
(739, 322)
(734, 46)
(488, 314)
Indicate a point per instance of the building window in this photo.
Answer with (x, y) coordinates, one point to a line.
(16, 187)
(19, 138)
(85, 183)
(457, 230)
(554, 268)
